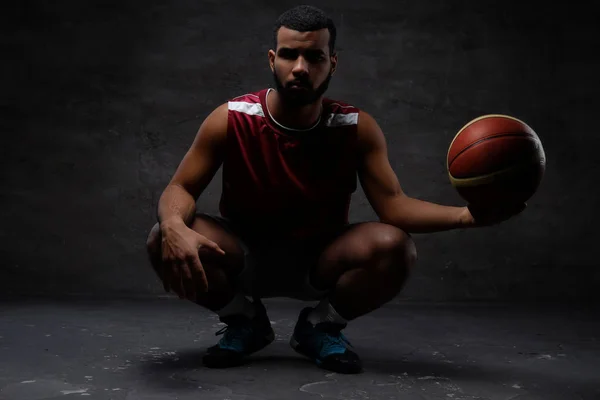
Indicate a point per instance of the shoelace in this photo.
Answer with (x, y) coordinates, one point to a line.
(233, 336)
(333, 341)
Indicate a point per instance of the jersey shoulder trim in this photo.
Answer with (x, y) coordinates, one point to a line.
(248, 103)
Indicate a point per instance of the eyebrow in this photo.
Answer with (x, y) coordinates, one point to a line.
(310, 51)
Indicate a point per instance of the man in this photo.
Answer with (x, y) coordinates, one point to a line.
(290, 160)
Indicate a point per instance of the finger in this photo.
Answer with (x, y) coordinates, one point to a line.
(213, 246)
(176, 281)
(187, 281)
(184, 269)
(199, 273)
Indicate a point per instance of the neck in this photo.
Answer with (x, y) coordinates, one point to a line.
(293, 117)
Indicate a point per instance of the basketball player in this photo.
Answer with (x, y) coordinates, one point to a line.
(290, 159)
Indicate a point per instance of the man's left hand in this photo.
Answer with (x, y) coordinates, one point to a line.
(476, 216)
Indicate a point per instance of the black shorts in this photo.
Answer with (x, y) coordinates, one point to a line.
(275, 268)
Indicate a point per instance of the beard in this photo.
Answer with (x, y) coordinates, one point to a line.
(299, 98)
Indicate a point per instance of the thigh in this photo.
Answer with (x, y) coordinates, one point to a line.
(216, 229)
(220, 231)
(353, 247)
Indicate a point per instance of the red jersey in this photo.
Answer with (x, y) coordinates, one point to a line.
(285, 183)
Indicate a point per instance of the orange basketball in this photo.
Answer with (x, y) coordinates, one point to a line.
(496, 159)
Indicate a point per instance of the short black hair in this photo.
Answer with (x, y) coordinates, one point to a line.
(306, 18)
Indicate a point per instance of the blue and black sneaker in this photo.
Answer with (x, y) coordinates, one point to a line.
(325, 344)
(241, 337)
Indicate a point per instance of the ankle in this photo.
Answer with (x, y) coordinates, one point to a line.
(325, 312)
(239, 305)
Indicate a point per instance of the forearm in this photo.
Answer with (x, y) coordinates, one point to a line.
(419, 216)
(176, 204)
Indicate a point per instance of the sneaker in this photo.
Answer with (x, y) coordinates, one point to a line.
(241, 337)
(325, 344)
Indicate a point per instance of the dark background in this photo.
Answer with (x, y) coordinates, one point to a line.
(100, 100)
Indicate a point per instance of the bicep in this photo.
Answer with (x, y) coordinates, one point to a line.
(205, 155)
(378, 179)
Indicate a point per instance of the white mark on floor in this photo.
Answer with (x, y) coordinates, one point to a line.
(330, 375)
(104, 335)
(450, 395)
(85, 394)
(65, 392)
(304, 388)
(516, 386)
(28, 382)
(545, 357)
(116, 389)
(48, 335)
(154, 348)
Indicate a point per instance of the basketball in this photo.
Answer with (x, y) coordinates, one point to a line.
(496, 160)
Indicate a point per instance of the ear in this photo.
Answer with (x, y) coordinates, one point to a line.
(271, 56)
(334, 60)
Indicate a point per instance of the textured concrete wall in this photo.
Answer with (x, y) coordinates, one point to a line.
(100, 101)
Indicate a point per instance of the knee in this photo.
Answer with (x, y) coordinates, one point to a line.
(153, 241)
(391, 244)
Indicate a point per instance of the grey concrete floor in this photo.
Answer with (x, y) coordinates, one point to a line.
(151, 349)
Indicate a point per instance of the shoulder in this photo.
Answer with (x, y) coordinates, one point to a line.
(214, 128)
(251, 97)
(339, 113)
(248, 104)
(369, 134)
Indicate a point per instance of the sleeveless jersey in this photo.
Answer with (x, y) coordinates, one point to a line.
(283, 183)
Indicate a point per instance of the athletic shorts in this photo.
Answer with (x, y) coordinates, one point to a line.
(275, 268)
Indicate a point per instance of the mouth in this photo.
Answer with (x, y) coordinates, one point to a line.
(298, 85)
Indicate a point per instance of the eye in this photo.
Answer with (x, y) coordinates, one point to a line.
(315, 57)
(288, 54)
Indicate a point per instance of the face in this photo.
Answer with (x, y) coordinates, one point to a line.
(302, 66)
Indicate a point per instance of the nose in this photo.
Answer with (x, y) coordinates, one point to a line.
(300, 67)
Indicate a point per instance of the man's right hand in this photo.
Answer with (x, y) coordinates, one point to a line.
(182, 269)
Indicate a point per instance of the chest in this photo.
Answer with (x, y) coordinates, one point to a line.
(317, 163)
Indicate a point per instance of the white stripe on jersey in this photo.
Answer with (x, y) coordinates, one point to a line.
(333, 120)
(342, 119)
(246, 108)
